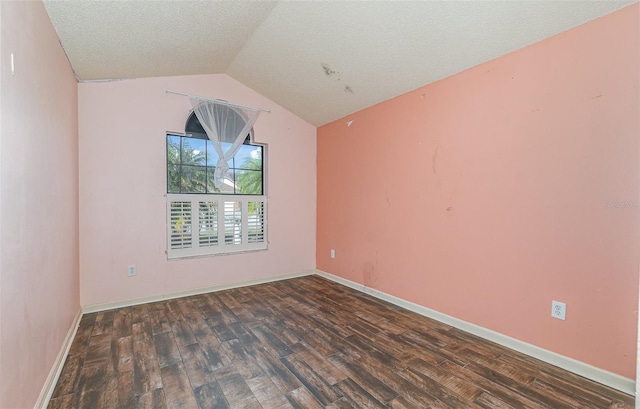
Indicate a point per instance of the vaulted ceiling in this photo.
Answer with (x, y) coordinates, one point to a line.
(321, 60)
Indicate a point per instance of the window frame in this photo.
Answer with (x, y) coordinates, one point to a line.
(251, 234)
(206, 167)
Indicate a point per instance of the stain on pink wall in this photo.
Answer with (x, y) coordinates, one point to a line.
(490, 193)
(39, 295)
(122, 128)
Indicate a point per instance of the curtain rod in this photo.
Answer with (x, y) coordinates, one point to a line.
(220, 101)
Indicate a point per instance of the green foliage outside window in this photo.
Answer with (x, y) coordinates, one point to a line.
(191, 166)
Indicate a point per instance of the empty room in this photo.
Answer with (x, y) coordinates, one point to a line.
(319, 204)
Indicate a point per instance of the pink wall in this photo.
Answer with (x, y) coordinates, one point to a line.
(122, 127)
(39, 202)
(488, 194)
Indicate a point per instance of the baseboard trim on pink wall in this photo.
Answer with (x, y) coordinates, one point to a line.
(127, 303)
(56, 369)
(607, 378)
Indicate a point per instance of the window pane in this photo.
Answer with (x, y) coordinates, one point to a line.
(227, 182)
(211, 188)
(173, 149)
(193, 151)
(255, 222)
(173, 179)
(212, 155)
(248, 157)
(194, 179)
(248, 182)
(191, 165)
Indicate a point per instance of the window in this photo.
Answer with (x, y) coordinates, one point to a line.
(191, 161)
(203, 219)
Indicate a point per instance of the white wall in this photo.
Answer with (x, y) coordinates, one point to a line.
(39, 293)
(122, 127)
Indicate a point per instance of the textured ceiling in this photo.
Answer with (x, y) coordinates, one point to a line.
(320, 59)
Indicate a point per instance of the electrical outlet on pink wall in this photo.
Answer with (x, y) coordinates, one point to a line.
(490, 188)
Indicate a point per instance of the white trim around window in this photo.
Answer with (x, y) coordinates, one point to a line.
(223, 224)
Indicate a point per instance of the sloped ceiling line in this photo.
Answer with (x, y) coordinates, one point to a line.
(286, 50)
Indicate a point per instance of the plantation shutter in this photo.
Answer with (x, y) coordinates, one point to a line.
(215, 224)
(180, 222)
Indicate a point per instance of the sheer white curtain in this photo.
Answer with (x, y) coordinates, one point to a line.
(224, 124)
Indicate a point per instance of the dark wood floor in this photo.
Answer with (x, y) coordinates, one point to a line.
(302, 343)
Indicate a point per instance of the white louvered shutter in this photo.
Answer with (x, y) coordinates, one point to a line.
(208, 222)
(215, 224)
(180, 225)
(255, 223)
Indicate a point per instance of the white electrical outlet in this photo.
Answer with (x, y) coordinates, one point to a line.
(558, 310)
(131, 270)
(333, 253)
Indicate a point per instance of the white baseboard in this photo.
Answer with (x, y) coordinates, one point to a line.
(607, 378)
(127, 303)
(56, 369)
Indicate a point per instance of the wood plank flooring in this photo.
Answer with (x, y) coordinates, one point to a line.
(302, 343)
